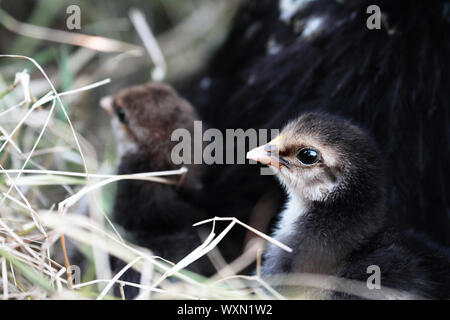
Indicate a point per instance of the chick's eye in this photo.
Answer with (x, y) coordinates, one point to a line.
(121, 115)
(308, 156)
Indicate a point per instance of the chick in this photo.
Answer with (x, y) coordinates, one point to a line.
(335, 218)
(157, 216)
(269, 70)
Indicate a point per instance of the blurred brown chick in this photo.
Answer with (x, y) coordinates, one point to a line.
(157, 216)
(143, 119)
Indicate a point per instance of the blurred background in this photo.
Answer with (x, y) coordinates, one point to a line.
(107, 46)
(186, 30)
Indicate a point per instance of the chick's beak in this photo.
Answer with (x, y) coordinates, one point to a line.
(268, 154)
(107, 104)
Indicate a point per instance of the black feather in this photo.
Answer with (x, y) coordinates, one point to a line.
(393, 82)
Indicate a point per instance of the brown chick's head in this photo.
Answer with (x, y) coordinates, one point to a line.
(144, 117)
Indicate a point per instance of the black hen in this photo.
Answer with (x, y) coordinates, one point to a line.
(278, 63)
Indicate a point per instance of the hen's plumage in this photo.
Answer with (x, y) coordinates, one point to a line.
(393, 81)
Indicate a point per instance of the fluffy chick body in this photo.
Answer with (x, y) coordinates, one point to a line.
(335, 219)
(156, 216)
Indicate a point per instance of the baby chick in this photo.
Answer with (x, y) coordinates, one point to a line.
(157, 216)
(335, 218)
